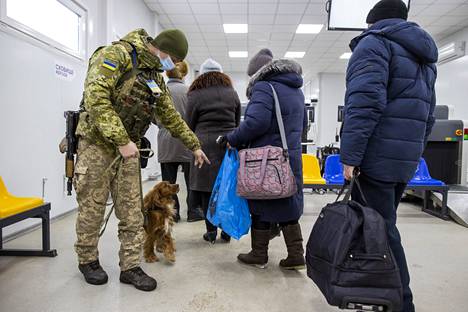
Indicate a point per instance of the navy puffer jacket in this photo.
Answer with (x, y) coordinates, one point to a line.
(389, 100)
(260, 128)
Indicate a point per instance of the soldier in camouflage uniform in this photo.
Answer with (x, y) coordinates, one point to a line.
(124, 93)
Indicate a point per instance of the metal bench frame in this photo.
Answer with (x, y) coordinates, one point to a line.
(426, 190)
(41, 212)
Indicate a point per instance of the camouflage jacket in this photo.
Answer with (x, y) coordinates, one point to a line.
(115, 113)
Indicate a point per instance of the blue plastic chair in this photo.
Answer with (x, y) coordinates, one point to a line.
(333, 172)
(422, 176)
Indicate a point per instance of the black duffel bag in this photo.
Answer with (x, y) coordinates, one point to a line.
(349, 259)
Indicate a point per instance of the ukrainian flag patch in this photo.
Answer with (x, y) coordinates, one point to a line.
(109, 65)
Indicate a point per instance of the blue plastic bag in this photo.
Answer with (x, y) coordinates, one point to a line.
(227, 210)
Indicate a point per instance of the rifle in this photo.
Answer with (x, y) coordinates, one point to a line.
(72, 118)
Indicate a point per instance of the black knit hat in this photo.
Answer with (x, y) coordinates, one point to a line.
(263, 57)
(387, 9)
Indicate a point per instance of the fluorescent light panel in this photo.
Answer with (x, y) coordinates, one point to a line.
(236, 28)
(294, 54)
(237, 54)
(309, 28)
(346, 56)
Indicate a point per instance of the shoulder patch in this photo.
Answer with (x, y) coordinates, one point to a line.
(109, 64)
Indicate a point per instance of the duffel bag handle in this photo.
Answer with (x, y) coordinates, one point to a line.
(353, 183)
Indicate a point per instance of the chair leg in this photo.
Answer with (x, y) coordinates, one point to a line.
(44, 252)
(45, 231)
(1, 238)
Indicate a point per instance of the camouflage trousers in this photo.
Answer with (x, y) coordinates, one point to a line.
(93, 182)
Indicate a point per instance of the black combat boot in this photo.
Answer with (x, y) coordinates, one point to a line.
(258, 256)
(139, 279)
(293, 239)
(93, 273)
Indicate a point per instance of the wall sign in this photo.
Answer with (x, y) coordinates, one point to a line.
(64, 71)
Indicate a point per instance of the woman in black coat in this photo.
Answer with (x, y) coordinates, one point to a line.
(213, 109)
(260, 128)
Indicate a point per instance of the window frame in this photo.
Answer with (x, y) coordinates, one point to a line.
(30, 32)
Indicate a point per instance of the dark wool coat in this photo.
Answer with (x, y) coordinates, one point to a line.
(213, 109)
(260, 128)
(390, 100)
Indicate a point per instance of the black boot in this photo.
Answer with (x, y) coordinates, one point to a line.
(225, 237)
(293, 239)
(139, 279)
(210, 236)
(195, 214)
(258, 256)
(93, 273)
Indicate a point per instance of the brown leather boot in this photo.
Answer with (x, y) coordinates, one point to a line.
(258, 256)
(293, 239)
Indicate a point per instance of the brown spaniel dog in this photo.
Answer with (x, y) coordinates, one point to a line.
(159, 204)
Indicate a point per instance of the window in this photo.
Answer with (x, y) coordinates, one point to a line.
(59, 23)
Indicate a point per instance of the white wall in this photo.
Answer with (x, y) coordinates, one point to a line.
(34, 99)
(452, 81)
(332, 91)
(240, 80)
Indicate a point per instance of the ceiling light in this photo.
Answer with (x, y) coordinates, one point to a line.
(309, 28)
(238, 54)
(294, 54)
(346, 56)
(236, 28)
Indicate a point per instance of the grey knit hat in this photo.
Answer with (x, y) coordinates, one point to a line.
(210, 65)
(263, 57)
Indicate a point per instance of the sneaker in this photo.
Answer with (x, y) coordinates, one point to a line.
(93, 273)
(138, 278)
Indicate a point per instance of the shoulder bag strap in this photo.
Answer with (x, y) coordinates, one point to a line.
(279, 118)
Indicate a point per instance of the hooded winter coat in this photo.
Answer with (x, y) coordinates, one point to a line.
(390, 100)
(213, 109)
(260, 128)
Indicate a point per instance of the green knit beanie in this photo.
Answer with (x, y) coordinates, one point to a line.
(172, 42)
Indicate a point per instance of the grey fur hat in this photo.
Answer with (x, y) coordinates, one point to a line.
(210, 65)
(263, 57)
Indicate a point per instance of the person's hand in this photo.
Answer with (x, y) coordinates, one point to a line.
(129, 150)
(228, 145)
(348, 172)
(200, 158)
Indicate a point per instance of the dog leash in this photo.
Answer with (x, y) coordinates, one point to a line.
(115, 161)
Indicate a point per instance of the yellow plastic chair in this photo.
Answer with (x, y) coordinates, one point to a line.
(11, 205)
(15, 209)
(311, 170)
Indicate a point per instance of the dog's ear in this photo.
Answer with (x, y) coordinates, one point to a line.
(154, 197)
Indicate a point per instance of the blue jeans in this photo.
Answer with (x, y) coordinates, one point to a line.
(385, 198)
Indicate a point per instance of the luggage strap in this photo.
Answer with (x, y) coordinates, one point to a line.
(354, 182)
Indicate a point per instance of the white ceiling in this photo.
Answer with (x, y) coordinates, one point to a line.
(272, 24)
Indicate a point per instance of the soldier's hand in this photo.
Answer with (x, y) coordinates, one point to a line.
(200, 158)
(129, 150)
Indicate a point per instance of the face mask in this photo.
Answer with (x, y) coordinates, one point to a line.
(166, 63)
